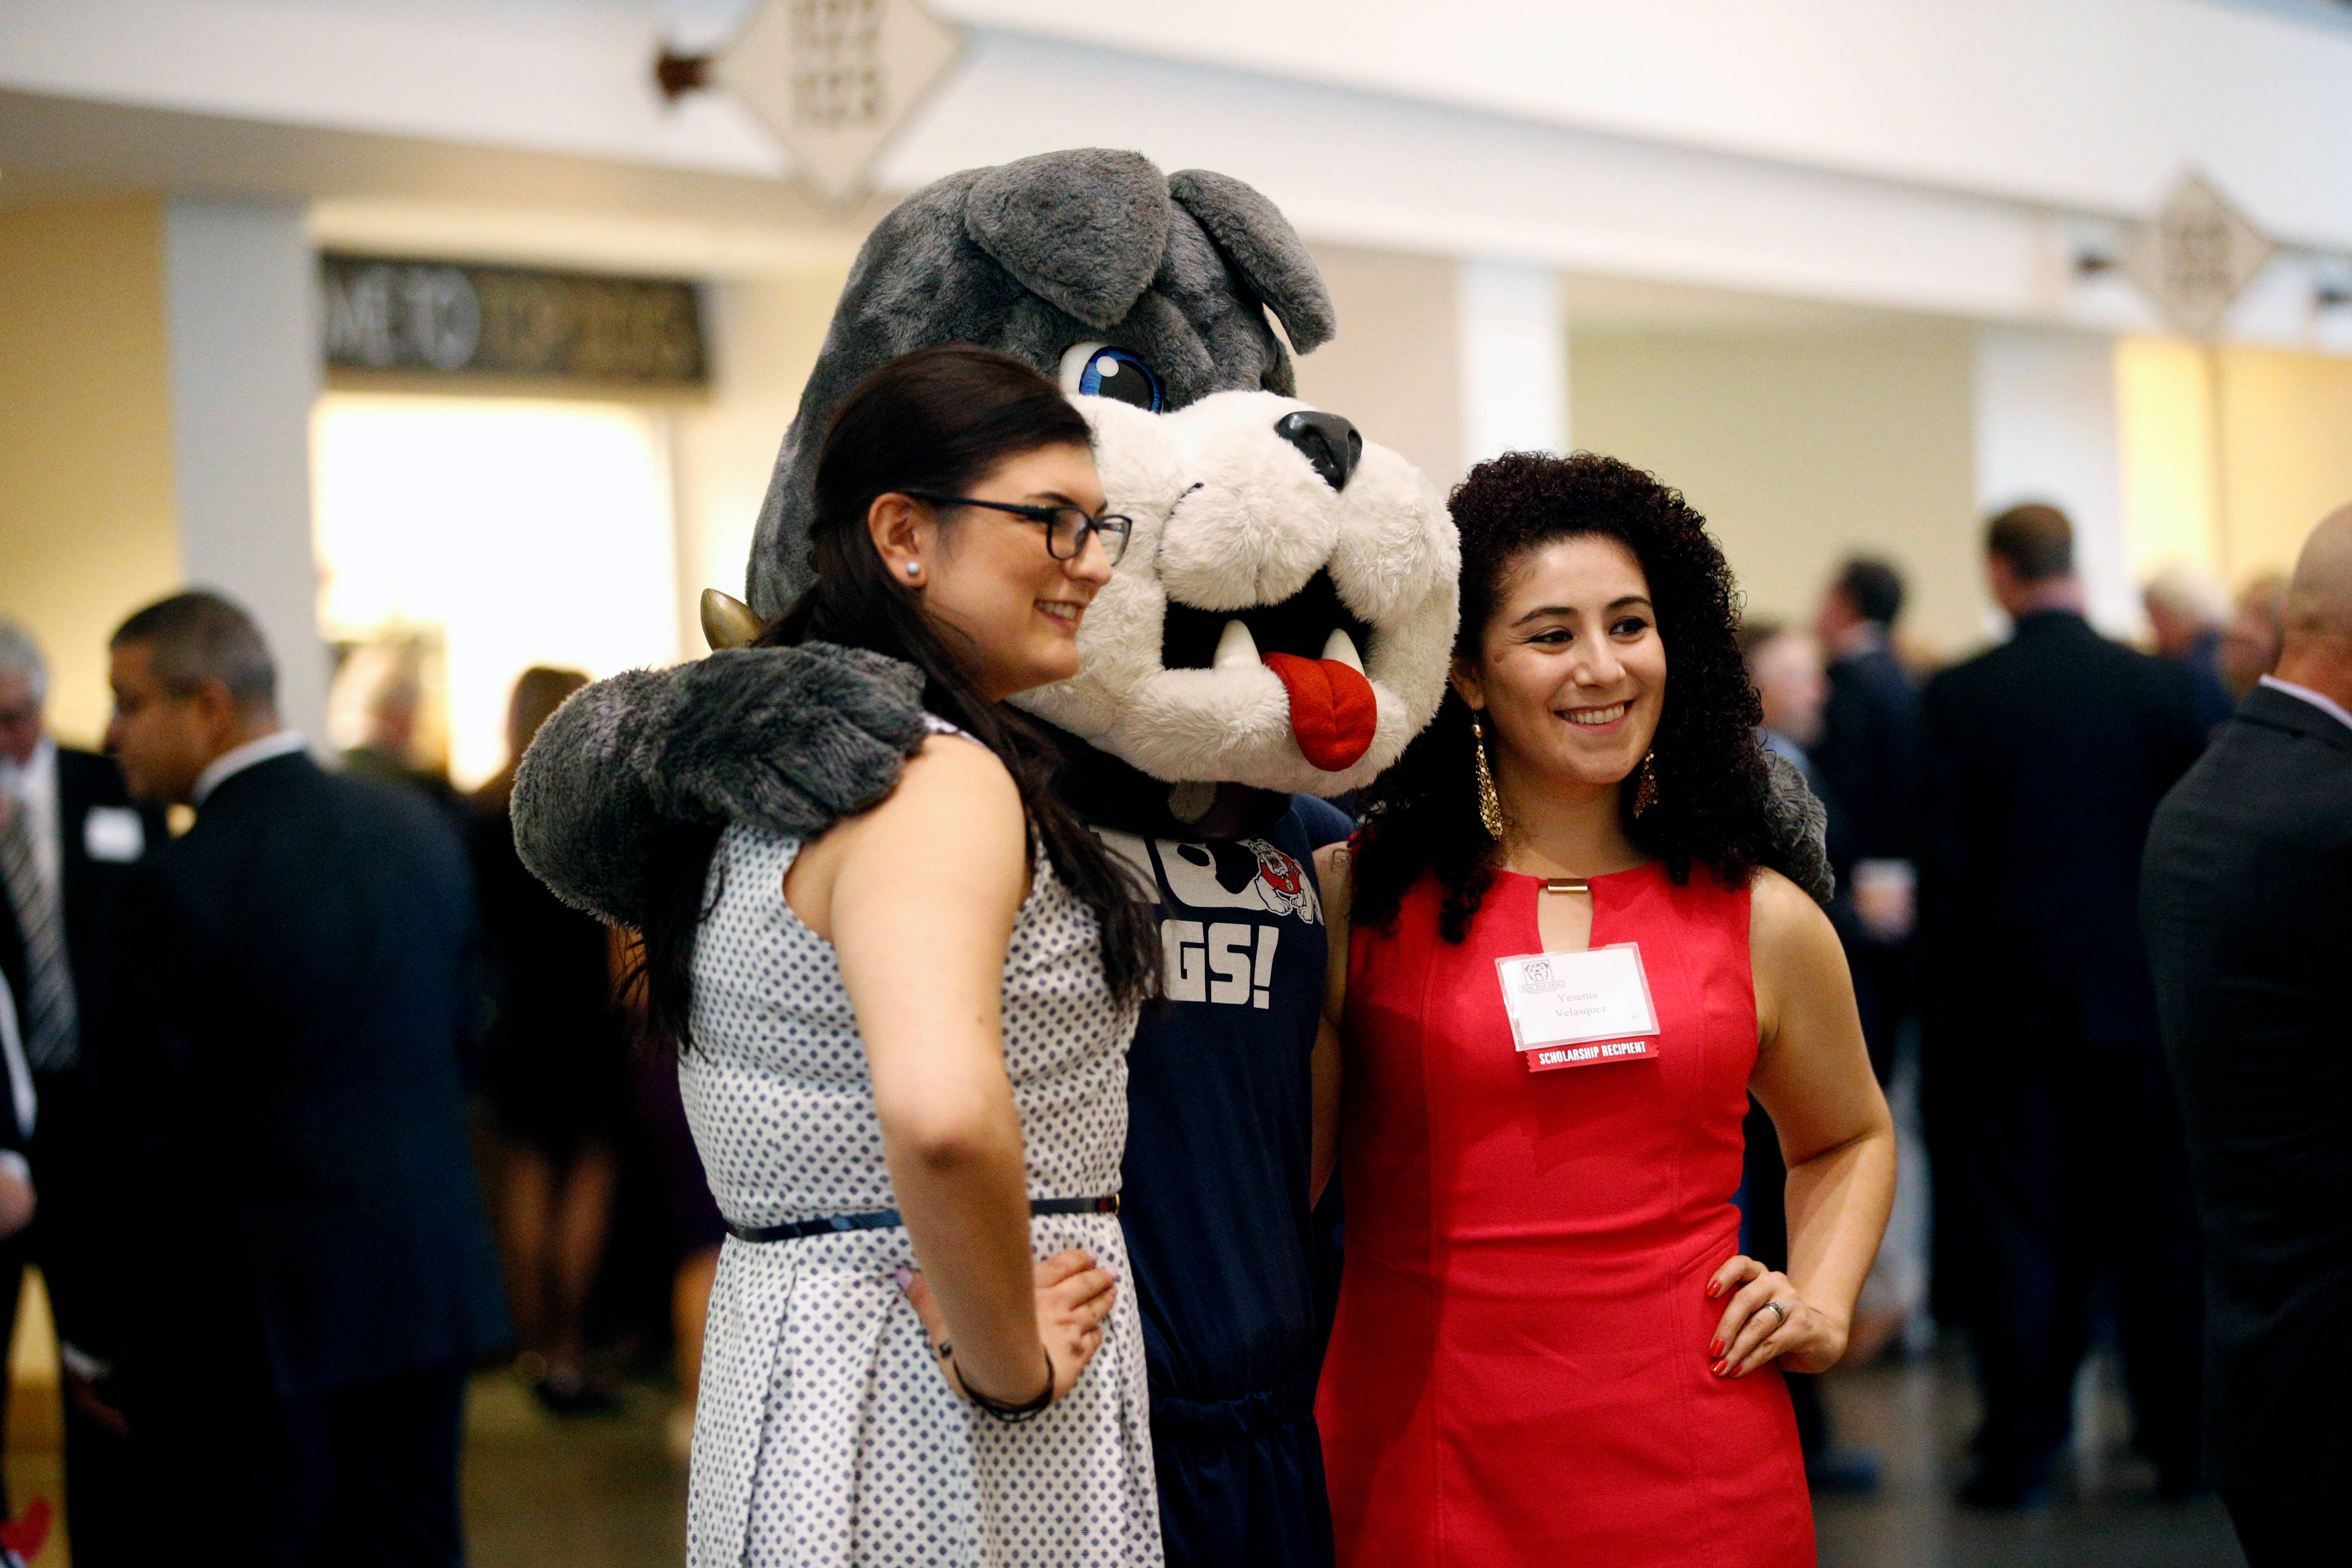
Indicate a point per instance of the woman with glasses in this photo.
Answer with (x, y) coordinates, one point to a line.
(903, 1042)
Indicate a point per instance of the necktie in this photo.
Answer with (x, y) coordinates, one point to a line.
(52, 1031)
(22, 1099)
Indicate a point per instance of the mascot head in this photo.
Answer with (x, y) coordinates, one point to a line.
(1285, 610)
(1283, 616)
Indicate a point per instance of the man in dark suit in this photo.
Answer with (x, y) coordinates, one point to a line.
(308, 1269)
(2244, 902)
(2044, 760)
(81, 834)
(1868, 754)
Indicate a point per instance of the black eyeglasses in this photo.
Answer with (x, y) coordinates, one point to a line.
(1066, 526)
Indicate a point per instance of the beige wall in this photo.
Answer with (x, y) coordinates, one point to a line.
(2286, 446)
(1800, 447)
(86, 522)
(765, 333)
(2234, 495)
(2164, 414)
(1394, 369)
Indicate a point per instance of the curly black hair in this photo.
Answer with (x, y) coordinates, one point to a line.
(1709, 805)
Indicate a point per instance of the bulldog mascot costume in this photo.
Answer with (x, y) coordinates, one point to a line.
(1279, 629)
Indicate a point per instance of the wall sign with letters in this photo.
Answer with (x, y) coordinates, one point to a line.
(455, 319)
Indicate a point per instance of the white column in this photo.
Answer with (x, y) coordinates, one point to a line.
(2046, 431)
(1513, 340)
(241, 287)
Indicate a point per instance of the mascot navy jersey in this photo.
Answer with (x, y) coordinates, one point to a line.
(1220, 1102)
(1220, 1107)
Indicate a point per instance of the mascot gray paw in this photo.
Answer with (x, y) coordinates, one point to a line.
(790, 740)
(1800, 823)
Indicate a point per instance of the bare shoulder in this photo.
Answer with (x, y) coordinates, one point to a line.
(952, 830)
(953, 789)
(1784, 922)
(958, 767)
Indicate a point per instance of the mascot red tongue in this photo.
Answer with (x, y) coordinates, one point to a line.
(1332, 710)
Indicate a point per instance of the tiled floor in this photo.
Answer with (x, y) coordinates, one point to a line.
(602, 1493)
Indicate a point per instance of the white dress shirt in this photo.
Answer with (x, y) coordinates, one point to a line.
(283, 742)
(2319, 699)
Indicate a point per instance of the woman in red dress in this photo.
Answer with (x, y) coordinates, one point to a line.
(1548, 1349)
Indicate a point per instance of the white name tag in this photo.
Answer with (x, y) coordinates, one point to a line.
(114, 833)
(1580, 1009)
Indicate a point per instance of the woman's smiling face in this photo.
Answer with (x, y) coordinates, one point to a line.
(1570, 673)
(1005, 604)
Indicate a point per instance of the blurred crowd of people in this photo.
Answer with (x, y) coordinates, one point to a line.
(1988, 821)
(292, 1047)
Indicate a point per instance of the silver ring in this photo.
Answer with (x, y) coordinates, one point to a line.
(1782, 1311)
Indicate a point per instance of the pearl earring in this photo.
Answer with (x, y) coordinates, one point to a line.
(914, 568)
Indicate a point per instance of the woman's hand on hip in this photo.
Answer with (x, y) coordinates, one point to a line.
(1075, 1297)
(1767, 1319)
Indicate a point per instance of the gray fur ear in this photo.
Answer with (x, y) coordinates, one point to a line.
(1264, 249)
(1082, 229)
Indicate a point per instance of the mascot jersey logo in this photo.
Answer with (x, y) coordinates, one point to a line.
(1260, 889)
(1238, 874)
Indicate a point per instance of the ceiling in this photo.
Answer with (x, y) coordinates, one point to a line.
(377, 191)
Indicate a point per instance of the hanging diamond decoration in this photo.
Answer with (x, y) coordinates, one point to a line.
(836, 80)
(2197, 254)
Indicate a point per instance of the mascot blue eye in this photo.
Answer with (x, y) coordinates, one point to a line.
(1105, 371)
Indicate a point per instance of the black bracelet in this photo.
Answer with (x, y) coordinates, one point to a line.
(1005, 1411)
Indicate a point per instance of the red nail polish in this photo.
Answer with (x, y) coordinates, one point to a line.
(1715, 1347)
(1713, 1290)
(1720, 1367)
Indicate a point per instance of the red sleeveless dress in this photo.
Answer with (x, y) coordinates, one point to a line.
(1518, 1372)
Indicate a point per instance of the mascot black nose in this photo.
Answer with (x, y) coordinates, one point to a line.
(1334, 445)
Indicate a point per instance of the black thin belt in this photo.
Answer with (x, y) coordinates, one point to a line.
(884, 1219)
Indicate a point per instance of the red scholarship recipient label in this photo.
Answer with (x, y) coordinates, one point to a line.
(1580, 1009)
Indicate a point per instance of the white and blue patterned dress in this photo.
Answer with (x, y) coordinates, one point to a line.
(825, 1434)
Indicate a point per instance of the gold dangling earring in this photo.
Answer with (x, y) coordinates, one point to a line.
(1645, 793)
(1490, 804)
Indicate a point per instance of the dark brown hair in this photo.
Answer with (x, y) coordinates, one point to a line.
(200, 637)
(2036, 541)
(1874, 588)
(938, 419)
(1423, 814)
